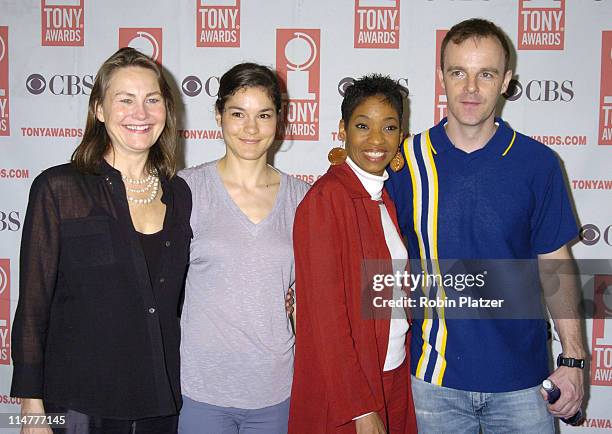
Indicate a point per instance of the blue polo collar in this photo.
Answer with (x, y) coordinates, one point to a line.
(500, 143)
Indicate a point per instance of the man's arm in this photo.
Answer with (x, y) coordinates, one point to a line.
(563, 299)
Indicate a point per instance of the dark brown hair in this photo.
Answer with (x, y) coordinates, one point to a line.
(246, 75)
(475, 28)
(96, 142)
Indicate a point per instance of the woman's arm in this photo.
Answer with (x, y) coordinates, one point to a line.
(320, 290)
(33, 406)
(39, 259)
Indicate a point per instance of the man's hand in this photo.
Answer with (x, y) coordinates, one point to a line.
(370, 424)
(571, 383)
(563, 299)
(33, 406)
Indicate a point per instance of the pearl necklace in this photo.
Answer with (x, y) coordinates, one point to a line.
(152, 186)
(142, 190)
(139, 180)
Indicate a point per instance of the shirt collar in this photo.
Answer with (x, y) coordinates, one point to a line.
(106, 169)
(500, 141)
(372, 183)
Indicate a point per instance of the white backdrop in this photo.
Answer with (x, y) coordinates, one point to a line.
(51, 49)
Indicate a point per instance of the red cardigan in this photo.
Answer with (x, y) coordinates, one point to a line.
(339, 354)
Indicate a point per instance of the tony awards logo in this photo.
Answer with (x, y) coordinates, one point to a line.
(601, 366)
(605, 113)
(297, 63)
(5, 311)
(217, 23)
(300, 53)
(541, 24)
(440, 100)
(62, 23)
(4, 84)
(147, 41)
(377, 23)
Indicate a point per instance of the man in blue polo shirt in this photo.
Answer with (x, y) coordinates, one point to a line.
(473, 188)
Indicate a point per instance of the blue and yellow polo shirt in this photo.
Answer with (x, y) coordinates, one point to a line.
(507, 200)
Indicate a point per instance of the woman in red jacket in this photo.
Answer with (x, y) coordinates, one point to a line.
(351, 362)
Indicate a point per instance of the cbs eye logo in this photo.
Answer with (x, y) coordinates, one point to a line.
(541, 90)
(36, 84)
(60, 84)
(590, 235)
(192, 86)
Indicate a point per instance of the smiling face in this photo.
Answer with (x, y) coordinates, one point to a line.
(474, 77)
(372, 134)
(133, 110)
(248, 123)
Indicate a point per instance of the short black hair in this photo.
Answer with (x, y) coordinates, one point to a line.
(245, 75)
(372, 85)
(475, 28)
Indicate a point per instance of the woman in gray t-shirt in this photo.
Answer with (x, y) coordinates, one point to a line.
(237, 341)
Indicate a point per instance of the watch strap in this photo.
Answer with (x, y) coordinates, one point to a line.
(570, 362)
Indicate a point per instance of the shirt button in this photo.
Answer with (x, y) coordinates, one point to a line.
(162, 280)
(151, 310)
(168, 243)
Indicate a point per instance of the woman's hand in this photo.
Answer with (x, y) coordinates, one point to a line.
(289, 301)
(370, 424)
(290, 306)
(34, 407)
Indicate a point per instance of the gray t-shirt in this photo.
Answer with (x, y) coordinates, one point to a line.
(236, 338)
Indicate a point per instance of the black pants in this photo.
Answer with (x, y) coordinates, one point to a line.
(79, 423)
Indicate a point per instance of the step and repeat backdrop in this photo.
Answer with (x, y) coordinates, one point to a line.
(50, 51)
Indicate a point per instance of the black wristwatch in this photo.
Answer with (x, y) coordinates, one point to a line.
(568, 361)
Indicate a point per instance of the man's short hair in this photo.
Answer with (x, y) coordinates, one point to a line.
(475, 28)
